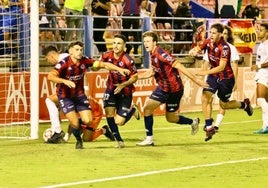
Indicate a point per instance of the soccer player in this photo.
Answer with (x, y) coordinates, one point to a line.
(53, 56)
(118, 94)
(220, 77)
(228, 37)
(69, 76)
(261, 77)
(166, 70)
(89, 134)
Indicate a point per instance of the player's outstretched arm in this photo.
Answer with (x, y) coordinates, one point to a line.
(109, 66)
(183, 69)
(147, 74)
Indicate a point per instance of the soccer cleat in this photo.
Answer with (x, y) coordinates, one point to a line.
(56, 138)
(146, 142)
(120, 144)
(262, 131)
(248, 108)
(108, 133)
(209, 133)
(79, 144)
(195, 126)
(137, 113)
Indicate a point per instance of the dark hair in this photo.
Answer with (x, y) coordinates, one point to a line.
(72, 44)
(123, 37)
(218, 27)
(151, 34)
(230, 37)
(50, 49)
(265, 25)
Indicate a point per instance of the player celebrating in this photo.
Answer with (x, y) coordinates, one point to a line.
(69, 76)
(220, 77)
(118, 94)
(165, 69)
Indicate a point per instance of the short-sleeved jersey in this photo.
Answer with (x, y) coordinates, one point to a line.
(216, 52)
(125, 62)
(167, 77)
(262, 57)
(234, 53)
(74, 72)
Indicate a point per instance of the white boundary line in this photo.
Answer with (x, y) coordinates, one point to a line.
(154, 172)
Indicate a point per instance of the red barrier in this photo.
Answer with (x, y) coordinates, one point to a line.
(15, 102)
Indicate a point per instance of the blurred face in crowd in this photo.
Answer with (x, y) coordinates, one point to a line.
(225, 34)
(262, 34)
(214, 35)
(118, 46)
(149, 44)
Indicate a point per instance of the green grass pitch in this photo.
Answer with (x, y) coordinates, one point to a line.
(233, 158)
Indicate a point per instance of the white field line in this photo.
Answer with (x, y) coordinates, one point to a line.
(178, 126)
(154, 172)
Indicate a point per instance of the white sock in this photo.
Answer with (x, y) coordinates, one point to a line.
(149, 137)
(264, 105)
(53, 115)
(219, 120)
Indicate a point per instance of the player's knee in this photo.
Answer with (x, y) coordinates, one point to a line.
(87, 121)
(171, 118)
(119, 121)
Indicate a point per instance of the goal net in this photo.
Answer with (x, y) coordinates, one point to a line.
(19, 82)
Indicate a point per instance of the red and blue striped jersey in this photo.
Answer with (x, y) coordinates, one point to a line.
(114, 77)
(131, 7)
(167, 77)
(74, 72)
(216, 52)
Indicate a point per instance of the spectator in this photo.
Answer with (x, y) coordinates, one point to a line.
(131, 8)
(183, 11)
(74, 9)
(114, 22)
(12, 12)
(251, 10)
(100, 8)
(163, 9)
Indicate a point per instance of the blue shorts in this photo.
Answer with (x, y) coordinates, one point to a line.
(172, 100)
(121, 102)
(74, 104)
(224, 87)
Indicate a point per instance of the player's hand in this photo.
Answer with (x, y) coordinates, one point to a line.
(193, 52)
(124, 72)
(254, 67)
(118, 88)
(69, 83)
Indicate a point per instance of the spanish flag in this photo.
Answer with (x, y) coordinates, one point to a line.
(245, 36)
